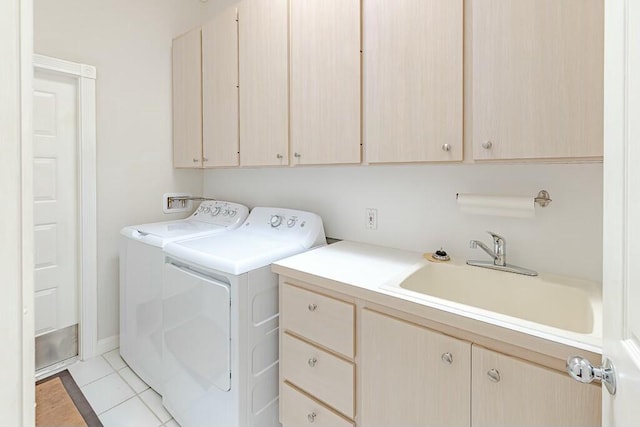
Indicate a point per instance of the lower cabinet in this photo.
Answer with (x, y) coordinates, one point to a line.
(510, 392)
(345, 364)
(412, 376)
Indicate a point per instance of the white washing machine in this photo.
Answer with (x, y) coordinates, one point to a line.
(220, 319)
(141, 262)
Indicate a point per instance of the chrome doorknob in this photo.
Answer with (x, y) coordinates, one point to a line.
(580, 369)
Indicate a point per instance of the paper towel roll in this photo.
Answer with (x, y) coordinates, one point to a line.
(514, 207)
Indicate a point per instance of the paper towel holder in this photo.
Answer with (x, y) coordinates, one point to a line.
(542, 199)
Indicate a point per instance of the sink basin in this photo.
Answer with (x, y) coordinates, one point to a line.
(554, 301)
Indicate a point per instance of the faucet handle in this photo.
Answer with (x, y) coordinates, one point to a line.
(496, 237)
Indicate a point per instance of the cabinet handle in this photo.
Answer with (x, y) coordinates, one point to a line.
(312, 362)
(447, 358)
(487, 145)
(279, 156)
(311, 417)
(196, 160)
(494, 375)
(298, 155)
(312, 307)
(446, 147)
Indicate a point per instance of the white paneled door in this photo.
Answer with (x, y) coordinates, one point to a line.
(55, 185)
(621, 273)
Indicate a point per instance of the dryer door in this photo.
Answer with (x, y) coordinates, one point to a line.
(197, 330)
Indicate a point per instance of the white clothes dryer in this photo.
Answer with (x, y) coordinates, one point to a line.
(220, 323)
(141, 262)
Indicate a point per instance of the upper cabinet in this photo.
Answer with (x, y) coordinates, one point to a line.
(187, 100)
(220, 146)
(413, 75)
(537, 79)
(264, 82)
(325, 81)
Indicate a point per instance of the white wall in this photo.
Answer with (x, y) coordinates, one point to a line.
(130, 44)
(417, 207)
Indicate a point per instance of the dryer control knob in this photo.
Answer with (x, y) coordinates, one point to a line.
(275, 220)
(292, 222)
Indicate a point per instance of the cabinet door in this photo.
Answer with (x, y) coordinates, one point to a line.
(325, 81)
(510, 392)
(406, 379)
(412, 65)
(220, 89)
(537, 79)
(264, 82)
(187, 100)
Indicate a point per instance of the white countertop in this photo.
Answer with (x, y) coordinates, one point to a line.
(367, 270)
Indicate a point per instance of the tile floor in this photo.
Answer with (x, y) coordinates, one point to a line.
(117, 395)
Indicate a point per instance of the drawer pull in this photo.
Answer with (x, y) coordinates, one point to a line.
(494, 375)
(311, 417)
(312, 307)
(447, 358)
(312, 362)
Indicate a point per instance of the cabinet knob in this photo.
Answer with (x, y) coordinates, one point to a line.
(487, 145)
(311, 417)
(494, 375)
(205, 159)
(279, 156)
(312, 307)
(447, 358)
(446, 147)
(298, 155)
(312, 362)
(196, 160)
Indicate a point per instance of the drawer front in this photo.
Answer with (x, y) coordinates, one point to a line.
(297, 410)
(322, 319)
(318, 373)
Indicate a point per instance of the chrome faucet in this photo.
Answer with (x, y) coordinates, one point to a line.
(499, 256)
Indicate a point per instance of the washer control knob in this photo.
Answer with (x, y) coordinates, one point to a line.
(232, 213)
(215, 211)
(292, 221)
(225, 212)
(275, 220)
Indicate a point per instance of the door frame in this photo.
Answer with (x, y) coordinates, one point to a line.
(85, 76)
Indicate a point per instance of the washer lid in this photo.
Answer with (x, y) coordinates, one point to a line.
(234, 253)
(160, 233)
(177, 229)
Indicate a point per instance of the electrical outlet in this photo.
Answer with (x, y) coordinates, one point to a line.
(371, 219)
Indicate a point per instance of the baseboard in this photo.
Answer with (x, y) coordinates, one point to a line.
(107, 344)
